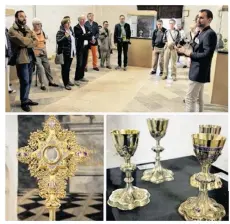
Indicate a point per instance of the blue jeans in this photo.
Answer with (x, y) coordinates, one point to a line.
(24, 72)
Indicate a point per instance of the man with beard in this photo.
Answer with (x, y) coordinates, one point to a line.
(23, 40)
(203, 48)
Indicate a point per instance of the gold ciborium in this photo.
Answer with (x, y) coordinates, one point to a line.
(157, 129)
(52, 155)
(130, 197)
(215, 182)
(207, 148)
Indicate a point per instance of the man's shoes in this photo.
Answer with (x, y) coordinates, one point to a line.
(25, 107)
(68, 87)
(161, 73)
(96, 69)
(43, 88)
(70, 84)
(184, 66)
(12, 91)
(164, 77)
(31, 103)
(77, 83)
(84, 80)
(118, 67)
(53, 84)
(174, 78)
(86, 70)
(109, 67)
(125, 68)
(153, 72)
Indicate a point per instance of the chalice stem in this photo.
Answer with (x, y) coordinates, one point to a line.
(52, 213)
(157, 159)
(128, 175)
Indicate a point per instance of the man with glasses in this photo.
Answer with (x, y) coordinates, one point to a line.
(42, 62)
(122, 34)
(171, 39)
(23, 40)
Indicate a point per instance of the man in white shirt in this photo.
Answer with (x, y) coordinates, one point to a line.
(83, 36)
(171, 39)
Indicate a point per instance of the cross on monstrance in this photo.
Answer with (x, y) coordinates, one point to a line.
(52, 155)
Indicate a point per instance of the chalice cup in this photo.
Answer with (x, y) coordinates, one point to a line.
(214, 181)
(211, 129)
(207, 148)
(157, 129)
(130, 197)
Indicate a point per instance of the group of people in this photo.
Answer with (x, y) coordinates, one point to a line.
(197, 46)
(26, 49)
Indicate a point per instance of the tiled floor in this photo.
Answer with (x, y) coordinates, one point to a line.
(74, 207)
(114, 91)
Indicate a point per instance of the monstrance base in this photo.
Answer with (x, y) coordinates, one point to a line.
(157, 176)
(214, 182)
(201, 210)
(128, 199)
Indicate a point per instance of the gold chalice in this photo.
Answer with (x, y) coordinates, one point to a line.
(130, 197)
(214, 181)
(157, 129)
(207, 148)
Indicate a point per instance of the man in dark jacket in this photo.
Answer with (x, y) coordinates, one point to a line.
(158, 47)
(122, 34)
(94, 29)
(22, 41)
(204, 45)
(83, 37)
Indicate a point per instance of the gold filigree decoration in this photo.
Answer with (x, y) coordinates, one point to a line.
(52, 155)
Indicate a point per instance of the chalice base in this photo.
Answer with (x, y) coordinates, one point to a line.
(201, 210)
(129, 198)
(212, 182)
(157, 176)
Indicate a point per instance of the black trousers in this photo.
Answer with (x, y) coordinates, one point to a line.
(65, 69)
(82, 56)
(122, 46)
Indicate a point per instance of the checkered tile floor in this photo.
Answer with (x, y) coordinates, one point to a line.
(74, 207)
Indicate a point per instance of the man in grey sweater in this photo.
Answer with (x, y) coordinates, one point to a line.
(171, 39)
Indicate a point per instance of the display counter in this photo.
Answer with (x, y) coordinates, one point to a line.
(218, 89)
(140, 52)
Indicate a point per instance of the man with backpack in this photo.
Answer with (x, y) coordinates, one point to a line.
(158, 47)
(171, 39)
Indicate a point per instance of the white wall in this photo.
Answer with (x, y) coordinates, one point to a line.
(194, 10)
(11, 165)
(177, 141)
(51, 17)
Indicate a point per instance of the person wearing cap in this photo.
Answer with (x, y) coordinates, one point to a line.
(83, 37)
(22, 41)
(105, 42)
(171, 39)
(42, 62)
(66, 45)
